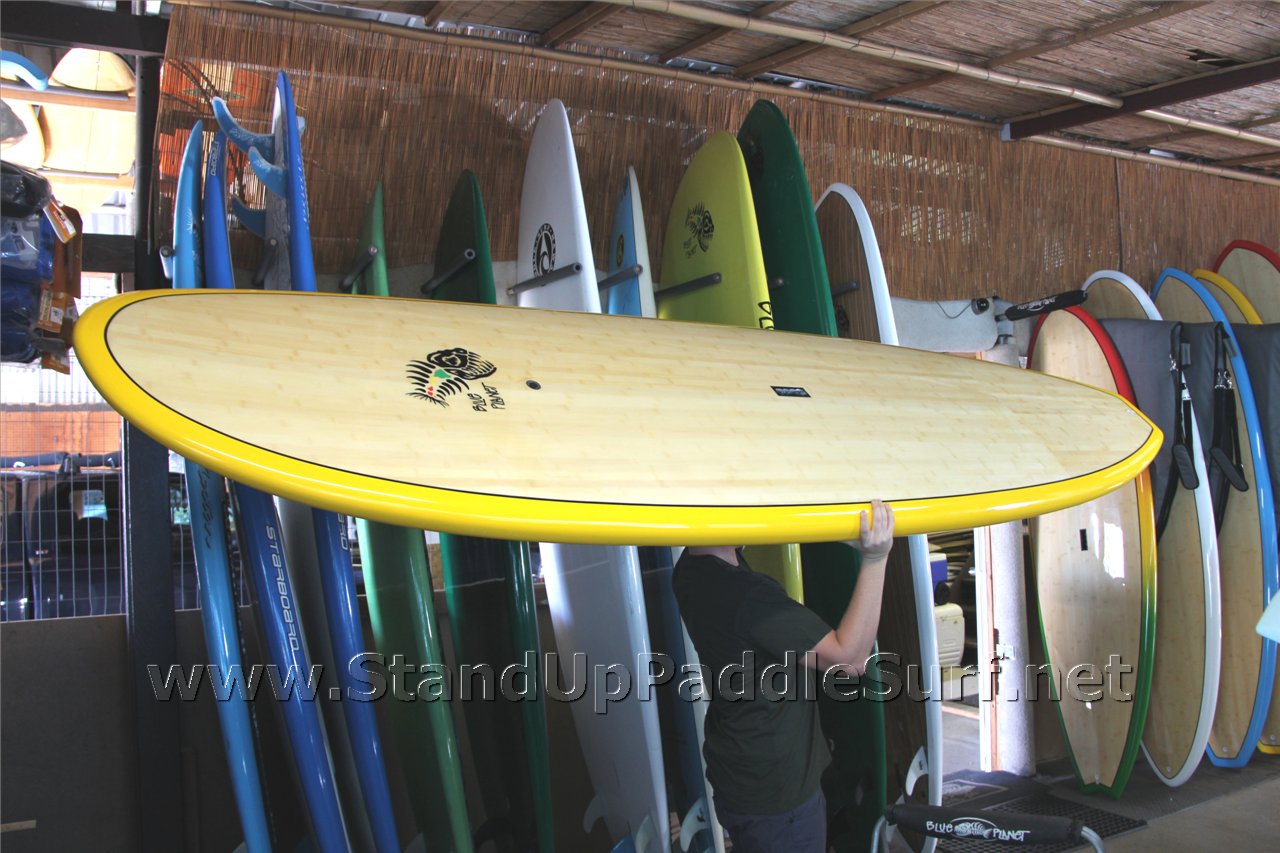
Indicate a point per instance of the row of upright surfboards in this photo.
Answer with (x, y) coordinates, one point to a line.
(1171, 574)
(1204, 684)
(743, 247)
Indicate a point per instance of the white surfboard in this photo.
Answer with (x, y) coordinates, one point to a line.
(879, 324)
(594, 592)
(1183, 695)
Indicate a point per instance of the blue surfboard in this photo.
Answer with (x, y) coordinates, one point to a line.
(1179, 296)
(209, 539)
(291, 266)
(628, 289)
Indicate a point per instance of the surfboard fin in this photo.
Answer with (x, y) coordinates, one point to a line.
(594, 812)
(417, 845)
(647, 836)
(251, 218)
(919, 767)
(273, 177)
(245, 140)
(694, 822)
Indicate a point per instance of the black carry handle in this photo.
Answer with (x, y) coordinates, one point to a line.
(944, 822)
(1045, 305)
(1186, 467)
(361, 264)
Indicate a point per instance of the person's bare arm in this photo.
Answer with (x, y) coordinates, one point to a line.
(850, 644)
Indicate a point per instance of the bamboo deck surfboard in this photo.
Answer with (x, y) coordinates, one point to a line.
(1246, 547)
(1095, 579)
(1184, 683)
(1234, 304)
(1255, 270)
(1254, 273)
(259, 385)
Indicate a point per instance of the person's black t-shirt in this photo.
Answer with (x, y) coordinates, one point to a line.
(764, 746)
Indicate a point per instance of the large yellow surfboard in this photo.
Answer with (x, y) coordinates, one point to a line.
(504, 422)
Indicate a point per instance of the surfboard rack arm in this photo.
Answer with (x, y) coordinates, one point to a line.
(269, 251)
(362, 263)
(544, 280)
(847, 287)
(619, 277)
(687, 286)
(457, 265)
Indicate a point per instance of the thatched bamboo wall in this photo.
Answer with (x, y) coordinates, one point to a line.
(958, 213)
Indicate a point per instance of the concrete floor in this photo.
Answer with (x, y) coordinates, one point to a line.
(1244, 820)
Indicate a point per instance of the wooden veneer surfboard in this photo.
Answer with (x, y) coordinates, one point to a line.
(1095, 578)
(594, 593)
(1184, 682)
(681, 716)
(490, 593)
(88, 139)
(1246, 548)
(263, 404)
(1255, 270)
(1260, 348)
(910, 731)
(1234, 304)
(401, 601)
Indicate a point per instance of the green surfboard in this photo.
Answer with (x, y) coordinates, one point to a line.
(401, 608)
(854, 784)
(489, 591)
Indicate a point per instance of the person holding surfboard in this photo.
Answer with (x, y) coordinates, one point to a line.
(764, 748)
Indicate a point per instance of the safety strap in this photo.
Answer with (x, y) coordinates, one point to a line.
(1224, 455)
(1179, 358)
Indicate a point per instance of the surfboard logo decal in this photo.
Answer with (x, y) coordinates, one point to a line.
(766, 318)
(544, 250)
(446, 372)
(701, 229)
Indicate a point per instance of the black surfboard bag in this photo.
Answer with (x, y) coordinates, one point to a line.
(1260, 349)
(1155, 358)
(1213, 396)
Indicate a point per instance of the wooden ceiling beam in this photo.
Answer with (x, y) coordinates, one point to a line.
(433, 13)
(720, 32)
(867, 25)
(1164, 11)
(1148, 102)
(579, 22)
